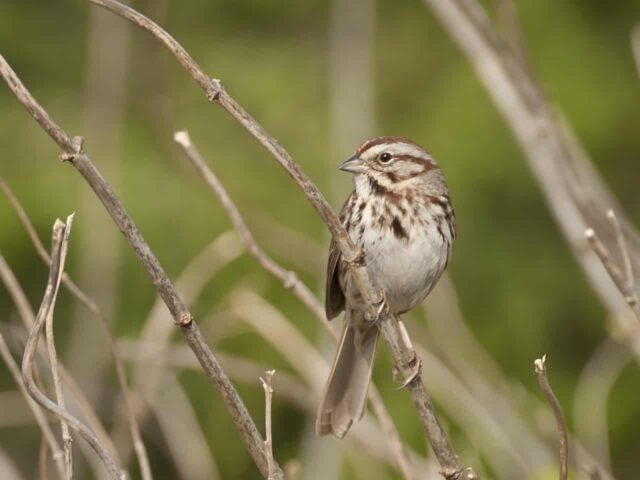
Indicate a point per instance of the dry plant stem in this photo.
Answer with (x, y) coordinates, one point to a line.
(53, 360)
(28, 318)
(288, 278)
(543, 381)
(290, 281)
(134, 428)
(73, 153)
(623, 284)
(403, 354)
(58, 249)
(47, 435)
(268, 442)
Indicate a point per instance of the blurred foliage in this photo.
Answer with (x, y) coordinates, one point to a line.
(520, 289)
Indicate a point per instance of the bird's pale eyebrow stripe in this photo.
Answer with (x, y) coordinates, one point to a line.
(385, 140)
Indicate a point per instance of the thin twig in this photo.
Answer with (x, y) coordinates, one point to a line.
(288, 278)
(53, 357)
(58, 248)
(628, 292)
(403, 354)
(624, 253)
(74, 154)
(82, 297)
(543, 381)
(268, 443)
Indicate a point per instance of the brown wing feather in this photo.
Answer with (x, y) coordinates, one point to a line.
(334, 296)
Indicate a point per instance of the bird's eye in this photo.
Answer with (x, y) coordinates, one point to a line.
(385, 157)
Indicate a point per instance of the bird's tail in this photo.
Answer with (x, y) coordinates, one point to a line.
(345, 394)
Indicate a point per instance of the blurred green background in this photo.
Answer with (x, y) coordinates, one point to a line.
(520, 290)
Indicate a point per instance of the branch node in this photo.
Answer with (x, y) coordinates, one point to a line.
(215, 90)
(78, 148)
(291, 280)
(185, 319)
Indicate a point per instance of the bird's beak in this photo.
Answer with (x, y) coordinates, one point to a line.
(352, 165)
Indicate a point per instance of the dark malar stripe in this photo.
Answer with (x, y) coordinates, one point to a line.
(376, 188)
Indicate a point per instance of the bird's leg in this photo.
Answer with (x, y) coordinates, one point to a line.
(414, 363)
(382, 309)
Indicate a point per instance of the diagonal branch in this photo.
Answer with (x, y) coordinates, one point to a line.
(74, 154)
(134, 428)
(58, 252)
(288, 277)
(403, 353)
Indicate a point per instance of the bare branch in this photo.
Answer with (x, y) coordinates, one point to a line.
(74, 154)
(268, 443)
(403, 354)
(628, 291)
(58, 251)
(53, 356)
(132, 422)
(624, 253)
(543, 381)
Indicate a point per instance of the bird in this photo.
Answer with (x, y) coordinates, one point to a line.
(400, 214)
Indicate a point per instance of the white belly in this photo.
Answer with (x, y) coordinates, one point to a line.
(405, 270)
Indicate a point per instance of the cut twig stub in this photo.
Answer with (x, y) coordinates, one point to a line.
(541, 371)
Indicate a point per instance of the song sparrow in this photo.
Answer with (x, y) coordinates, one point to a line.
(401, 215)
